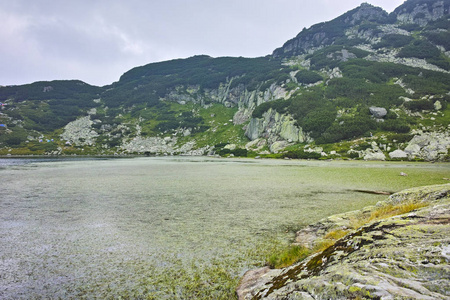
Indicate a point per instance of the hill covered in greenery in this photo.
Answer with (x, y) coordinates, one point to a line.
(367, 84)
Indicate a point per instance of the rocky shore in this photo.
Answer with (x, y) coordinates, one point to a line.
(405, 256)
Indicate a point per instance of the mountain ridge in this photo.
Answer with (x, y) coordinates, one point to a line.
(309, 98)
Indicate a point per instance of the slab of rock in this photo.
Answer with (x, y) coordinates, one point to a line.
(374, 155)
(398, 154)
(402, 257)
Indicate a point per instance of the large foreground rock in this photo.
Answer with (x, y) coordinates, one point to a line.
(402, 257)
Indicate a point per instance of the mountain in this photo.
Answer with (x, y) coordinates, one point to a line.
(366, 84)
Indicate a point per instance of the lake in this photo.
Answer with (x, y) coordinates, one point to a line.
(172, 227)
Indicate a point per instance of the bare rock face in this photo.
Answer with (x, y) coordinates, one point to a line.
(317, 36)
(275, 127)
(429, 146)
(423, 12)
(80, 132)
(402, 257)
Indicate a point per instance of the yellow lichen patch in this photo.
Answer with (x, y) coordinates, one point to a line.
(336, 234)
(293, 254)
(386, 211)
(395, 210)
(323, 244)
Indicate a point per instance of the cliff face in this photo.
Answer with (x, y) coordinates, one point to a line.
(275, 127)
(401, 257)
(422, 12)
(324, 34)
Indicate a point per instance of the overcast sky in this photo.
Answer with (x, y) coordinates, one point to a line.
(96, 41)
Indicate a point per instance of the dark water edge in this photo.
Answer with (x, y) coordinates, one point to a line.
(8, 161)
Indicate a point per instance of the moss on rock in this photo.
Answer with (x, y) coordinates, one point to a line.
(404, 256)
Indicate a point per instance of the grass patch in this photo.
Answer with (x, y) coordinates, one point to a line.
(294, 253)
(288, 256)
(387, 211)
(336, 234)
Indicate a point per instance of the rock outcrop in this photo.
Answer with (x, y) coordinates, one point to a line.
(378, 112)
(318, 36)
(80, 132)
(422, 12)
(275, 127)
(165, 146)
(401, 257)
(429, 146)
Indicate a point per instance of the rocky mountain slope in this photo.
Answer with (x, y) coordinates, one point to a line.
(368, 85)
(401, 257)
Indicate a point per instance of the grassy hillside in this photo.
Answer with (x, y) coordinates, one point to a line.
(325, 79)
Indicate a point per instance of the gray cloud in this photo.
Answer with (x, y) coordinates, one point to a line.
(97, 41)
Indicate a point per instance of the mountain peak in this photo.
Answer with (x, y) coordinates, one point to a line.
(326, 33)
(422, 11)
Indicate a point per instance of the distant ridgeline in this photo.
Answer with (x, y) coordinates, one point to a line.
(367, 85)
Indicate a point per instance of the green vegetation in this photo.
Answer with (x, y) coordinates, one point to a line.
(147, 84)
(394, 41)
(195, 99)
(420, 49)
(386, 211)
(308, 77)
(301, 154)
(441, 38)
(47, 106)
(280, 106)
(294, 253)
(332, 56)
(333, 32)
(288, 256)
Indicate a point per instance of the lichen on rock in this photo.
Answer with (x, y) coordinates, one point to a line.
(400, 257)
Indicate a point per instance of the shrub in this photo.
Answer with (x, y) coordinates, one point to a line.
(396, 125)
(14, 138)
(394, 40)
(420, 49)
(440, 62)
(278, 105)
(301, 154)
(318, 121)
(400, 138)
(439, 38)
(419, 105)
(236, 152)
(239, 152)
(308, 77)
(348, 128)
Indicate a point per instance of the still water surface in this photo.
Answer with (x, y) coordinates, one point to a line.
(103, 228)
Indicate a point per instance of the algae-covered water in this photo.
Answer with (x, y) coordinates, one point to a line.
(168, 228)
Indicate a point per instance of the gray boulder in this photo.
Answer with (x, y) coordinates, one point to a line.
(378, 112)
(429, 146)
(374, 154)
(398, 154)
